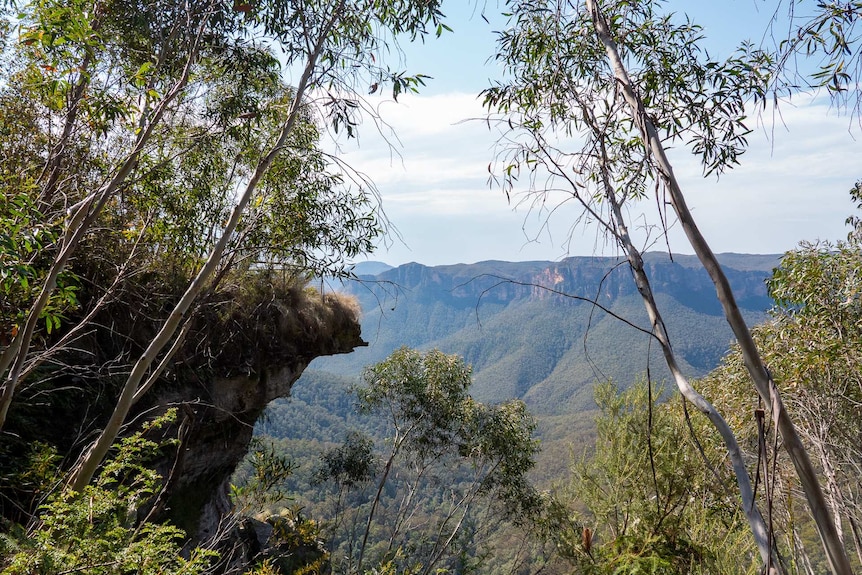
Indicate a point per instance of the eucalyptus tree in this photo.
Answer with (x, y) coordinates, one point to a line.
(170, 138)
(597, 92)
(469, 459)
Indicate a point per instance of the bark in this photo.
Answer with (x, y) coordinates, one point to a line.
(857, 540)
(835, 552)
(836, 499)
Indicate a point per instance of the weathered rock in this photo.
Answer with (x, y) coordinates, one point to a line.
(249, 343)
(216, 415)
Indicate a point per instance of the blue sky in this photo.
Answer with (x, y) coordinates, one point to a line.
(792, 184)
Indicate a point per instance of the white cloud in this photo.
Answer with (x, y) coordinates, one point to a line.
(792, 185)
(417, 116)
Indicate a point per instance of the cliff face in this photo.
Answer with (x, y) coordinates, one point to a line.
(247, 345)
(466, 284)
(216, 415)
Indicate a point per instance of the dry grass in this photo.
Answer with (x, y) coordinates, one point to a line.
(265, 319)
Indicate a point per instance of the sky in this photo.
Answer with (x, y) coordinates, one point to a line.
(792, 184)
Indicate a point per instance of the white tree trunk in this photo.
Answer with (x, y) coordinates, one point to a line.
(835, 552)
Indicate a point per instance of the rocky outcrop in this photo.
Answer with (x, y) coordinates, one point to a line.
(216, 414)
(248, 344)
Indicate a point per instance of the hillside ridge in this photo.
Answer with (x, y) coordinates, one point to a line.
(526, 342)
(530, 331)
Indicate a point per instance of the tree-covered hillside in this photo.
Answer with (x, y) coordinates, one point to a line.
(526, 337)
(542, 331)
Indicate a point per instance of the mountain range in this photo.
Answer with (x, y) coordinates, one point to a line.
(543, 332)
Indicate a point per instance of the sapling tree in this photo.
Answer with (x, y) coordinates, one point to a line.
(468, 457)
(103, 529)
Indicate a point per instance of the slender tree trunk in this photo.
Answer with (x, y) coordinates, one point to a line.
(92, 458)
(406, 510)
(835, 552)
(380, 485)
(802, 555)
(857, 539)
(439, 549)
(749, 505)
(84, 214)
(832, 489)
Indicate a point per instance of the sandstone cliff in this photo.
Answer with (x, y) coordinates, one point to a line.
(248, 343)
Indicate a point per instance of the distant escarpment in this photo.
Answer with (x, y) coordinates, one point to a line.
(542, 331)
(247, 343)
(599, 278)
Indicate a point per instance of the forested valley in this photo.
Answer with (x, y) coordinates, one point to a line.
(196, 375)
